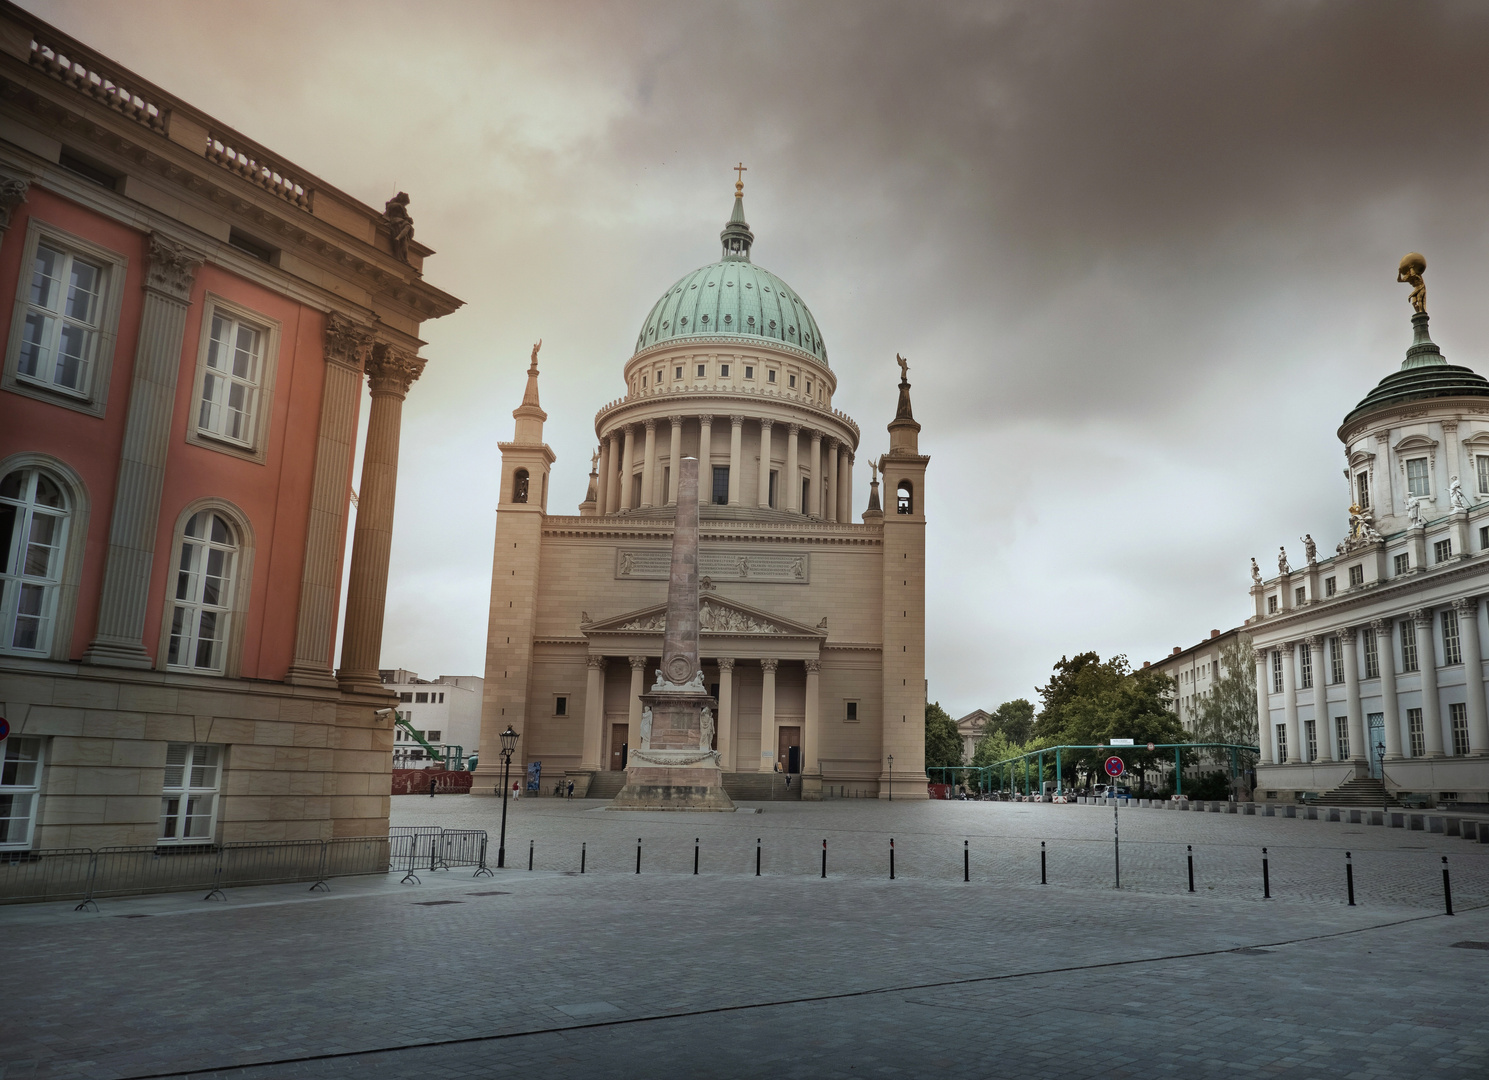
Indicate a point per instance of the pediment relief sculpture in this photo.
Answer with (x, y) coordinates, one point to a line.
(714, 617)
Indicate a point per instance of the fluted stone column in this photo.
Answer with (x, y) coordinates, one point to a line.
(768, 738)
(845, 486)
(594, 715)
(1264, 732)
(725, 730)
(762, 498)
(348, 347)
(627, 467)
(1473, 672)
(612, 483)
(791, 482)
(1323, 725)
(603, 494)
(674, 459)
(830, 474)
(814, 491)
(736, 455)
(390, 372)
(169, 274)
(812, 720)
(638, 684)
(705, 458)
(1385, 652)
(649, 466)
(1358, 751)
(1427, 663)
(1290, 701)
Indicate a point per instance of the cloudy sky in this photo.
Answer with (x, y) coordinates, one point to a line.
(1141, 257)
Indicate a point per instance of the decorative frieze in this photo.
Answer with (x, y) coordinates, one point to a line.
(776, 568)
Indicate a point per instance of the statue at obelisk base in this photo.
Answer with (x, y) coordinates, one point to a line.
(676, 767)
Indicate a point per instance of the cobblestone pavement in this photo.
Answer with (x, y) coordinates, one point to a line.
(615, 974)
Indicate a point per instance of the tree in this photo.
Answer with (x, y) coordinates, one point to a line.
(943, 743)
(1228, 715)
(1013, 719)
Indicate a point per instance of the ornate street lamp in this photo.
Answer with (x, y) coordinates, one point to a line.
(509, 743)
(891, 778)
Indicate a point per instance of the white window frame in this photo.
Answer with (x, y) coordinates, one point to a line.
(1341, 736)
(254, 445)
(195, 758)
(1362, 489)
(93, 398)
(1452, 645)
(1458, 727)
(237, 611)
(1481, 467)
(14, 582)
(1425, 477)
(30, 792)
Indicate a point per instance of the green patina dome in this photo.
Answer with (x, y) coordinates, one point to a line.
(1425, 373)
(733, 299)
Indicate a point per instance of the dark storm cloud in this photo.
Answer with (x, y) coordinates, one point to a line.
(1141, 256)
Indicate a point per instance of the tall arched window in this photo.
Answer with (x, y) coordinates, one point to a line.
(205, 579)
(906, 503)
(519, 486)
(34, 512)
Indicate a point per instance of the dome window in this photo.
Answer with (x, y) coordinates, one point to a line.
(729, 284)
(693, 286)
(664, 324)
(705, 320)
(682, 321)
(752, 320)
(772, 324)
(790, 331)
(766, 288)
(710, 284)
(748, 285)
(728, 318)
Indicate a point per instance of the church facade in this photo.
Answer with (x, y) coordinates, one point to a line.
(812, 624)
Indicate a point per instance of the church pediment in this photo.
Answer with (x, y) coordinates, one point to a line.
(716, 616)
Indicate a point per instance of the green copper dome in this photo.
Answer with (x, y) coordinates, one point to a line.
(733, 299)
(1425, 373)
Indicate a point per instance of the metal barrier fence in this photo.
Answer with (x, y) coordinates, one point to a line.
(428, 847)
(87, 874)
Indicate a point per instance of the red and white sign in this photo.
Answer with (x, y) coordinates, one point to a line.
(1114, 766)
(4, 727)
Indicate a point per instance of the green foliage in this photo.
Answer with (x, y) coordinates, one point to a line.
(943, 743)
(1013, 719)
(1228, 715)
(1089, 700)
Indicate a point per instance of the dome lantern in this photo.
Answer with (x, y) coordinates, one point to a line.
(736, 236)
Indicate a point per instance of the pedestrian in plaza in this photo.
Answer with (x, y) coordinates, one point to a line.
(431, 786)
(571, 789)
(516, 790)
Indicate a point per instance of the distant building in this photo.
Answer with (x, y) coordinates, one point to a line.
(1195, 672)
(446, 712)
(970, 728)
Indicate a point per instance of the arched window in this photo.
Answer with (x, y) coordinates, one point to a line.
(906, 504)
(519, 486)
(205, 580)
(34, 512)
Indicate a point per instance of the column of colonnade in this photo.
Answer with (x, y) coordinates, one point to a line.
(1323, 743)
(649, 465)
(1422, 620)
(762, 495)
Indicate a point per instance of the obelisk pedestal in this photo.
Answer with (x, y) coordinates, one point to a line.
(676, 767)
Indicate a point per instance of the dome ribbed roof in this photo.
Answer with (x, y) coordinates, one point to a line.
(733, 298)
(1424, 374)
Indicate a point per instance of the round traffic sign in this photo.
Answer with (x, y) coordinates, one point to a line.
(1114, 766)
(1150, 746)
(4, 727)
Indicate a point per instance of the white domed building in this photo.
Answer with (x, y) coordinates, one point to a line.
(813, 624)
(1370, 661)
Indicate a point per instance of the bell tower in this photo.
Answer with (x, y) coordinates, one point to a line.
(903, 598)
(525, 464)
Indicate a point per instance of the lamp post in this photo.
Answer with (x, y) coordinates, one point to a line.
(891, 778)
(509, 743)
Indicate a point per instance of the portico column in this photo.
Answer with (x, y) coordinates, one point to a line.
(120, 638)
(627, 466)
(1385, 653)
(674, 459)
(1358, 751)
(725, 730)
(762, 498)
(814, 491)
(347, 346)
(1427, 662)
(705, 458)
(1264, 732)
(612, 482)
(603, 494)
(768, 714)
(812, 720)
(1321, 721)
(1473, 672)
(736, 446)
(633, 705)
(649, 466)
(390, 373)
(845, 485)
(830, 500)
(1290, 700)
(594, 715)
(791, 483)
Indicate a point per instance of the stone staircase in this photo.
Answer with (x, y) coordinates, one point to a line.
(761, 787)
(607, 784)
(1360, 791)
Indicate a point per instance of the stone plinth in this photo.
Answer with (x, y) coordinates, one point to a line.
(673, 770)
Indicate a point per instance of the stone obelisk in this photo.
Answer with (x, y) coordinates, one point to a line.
(676, 767)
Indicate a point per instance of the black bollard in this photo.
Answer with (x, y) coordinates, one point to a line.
(966, 862)
(1043, 869)
(891, 858)
(1349, 878)
(757, 856)
(582, 853)
(1447, 888)
(1266, 878)
(695, 856)
(530, 854)
(824, 857)
(1191, 866)
(638, 854)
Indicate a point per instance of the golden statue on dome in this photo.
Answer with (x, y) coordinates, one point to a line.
(1410, 271)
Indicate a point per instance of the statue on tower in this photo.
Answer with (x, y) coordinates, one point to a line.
(904, 368)
(1282, 566)
(1410, 272)
(1310, 549)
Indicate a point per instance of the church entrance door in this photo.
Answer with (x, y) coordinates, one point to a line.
(618, 735)
(788, 748)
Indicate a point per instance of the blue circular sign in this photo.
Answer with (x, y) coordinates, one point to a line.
(1114, 766)
(4, 727)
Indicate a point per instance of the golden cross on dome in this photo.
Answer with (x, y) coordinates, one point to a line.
(740, 169)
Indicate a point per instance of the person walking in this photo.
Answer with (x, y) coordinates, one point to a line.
(571, 789)
(431, 785)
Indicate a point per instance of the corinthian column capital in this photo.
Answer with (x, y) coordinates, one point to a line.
(638, 663)
(726, 663)
(770, 663)
(391, 370)
(1467, 607)
(813, 666)
(348, 342)
(1422, 616)
(12, 193)
(596, 662)
(650, 423)
(172, 267)
(1347, 634)
(737, 421)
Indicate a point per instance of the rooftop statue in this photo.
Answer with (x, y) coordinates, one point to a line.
(1310, 549)
(534, 366)
(1282, 567)
(904, 367)
(400, 225)
(1256, 572)
(1410, 271)
(1455, 495)
(1414, 512)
